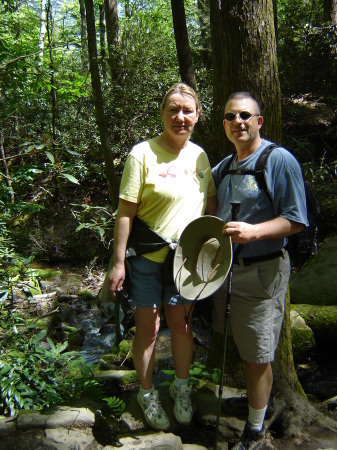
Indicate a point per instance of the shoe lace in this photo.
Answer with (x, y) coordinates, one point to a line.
(184, 400)
(154, 407)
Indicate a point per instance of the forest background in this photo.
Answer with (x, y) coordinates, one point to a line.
(54, 192)
(82, 82)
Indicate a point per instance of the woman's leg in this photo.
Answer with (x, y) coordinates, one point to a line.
(147, 327)
(181, 338)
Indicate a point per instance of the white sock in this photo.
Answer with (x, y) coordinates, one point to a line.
(145, 392)
(256, 417)
(180, 381)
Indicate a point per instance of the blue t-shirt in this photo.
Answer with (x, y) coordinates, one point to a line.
(285, 185)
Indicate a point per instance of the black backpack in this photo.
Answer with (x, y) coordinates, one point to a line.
(300, 245)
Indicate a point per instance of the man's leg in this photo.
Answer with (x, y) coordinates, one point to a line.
(259, 380)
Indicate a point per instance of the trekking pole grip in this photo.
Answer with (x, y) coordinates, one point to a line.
(235, 211)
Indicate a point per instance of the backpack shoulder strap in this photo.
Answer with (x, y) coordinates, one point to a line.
(224, 170)
(260, 166)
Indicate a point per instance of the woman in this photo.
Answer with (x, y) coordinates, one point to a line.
(166, 183)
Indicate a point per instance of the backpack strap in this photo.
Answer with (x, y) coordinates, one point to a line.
(258, 170)
(260, 166)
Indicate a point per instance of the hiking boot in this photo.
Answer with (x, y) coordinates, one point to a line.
(154, 414)
(238, 406)
(251, 439)
(182, 410)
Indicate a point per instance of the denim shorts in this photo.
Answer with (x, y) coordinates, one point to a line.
(256, 308)
(148, 288)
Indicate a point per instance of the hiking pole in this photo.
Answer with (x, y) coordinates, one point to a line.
(235, 211)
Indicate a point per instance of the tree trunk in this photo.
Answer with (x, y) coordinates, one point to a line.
(83, 31)
(203, 8)
(98, 102)
(184, 53)
(42, 31)
(5, 175)
(102, 30)
(218, 137)
(330, 11)
(50, 34)
(244, 48)
(112, 32)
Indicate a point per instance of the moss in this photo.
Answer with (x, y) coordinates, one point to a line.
(302, 340)
(130, 377)
(86, 295)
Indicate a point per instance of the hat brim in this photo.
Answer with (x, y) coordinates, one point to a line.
(202, 259)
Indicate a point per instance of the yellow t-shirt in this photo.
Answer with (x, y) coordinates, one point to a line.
(170, 190)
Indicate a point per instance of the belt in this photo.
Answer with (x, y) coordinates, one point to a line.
(255, 259)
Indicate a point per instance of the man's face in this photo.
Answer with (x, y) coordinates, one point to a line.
(241, 132)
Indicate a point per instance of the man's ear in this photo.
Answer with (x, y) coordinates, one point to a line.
(260, 121)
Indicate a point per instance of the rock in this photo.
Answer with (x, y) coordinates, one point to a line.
(315, 284)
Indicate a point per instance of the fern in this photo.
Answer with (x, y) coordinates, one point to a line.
(116, 405)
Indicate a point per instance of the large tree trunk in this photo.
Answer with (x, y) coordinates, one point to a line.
(98, 101)
(244, 48)
(184, 54)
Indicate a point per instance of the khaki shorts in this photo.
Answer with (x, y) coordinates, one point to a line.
(256, 307)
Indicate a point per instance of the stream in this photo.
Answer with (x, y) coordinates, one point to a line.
(317, 372)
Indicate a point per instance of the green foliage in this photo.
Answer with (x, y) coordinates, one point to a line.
(197, 372)
(116, 405)
(306, 48)
(97, 219)
(34, 375)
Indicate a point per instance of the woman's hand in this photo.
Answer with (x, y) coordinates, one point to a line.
(116, 278)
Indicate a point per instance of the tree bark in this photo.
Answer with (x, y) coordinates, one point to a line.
(330, 11)
(244, 48)
(99, 107)
(102, 30)
(112, 32)
(184, 53)
(42, 31)
(83, 31)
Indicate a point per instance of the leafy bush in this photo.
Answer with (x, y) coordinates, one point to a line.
(36, 374)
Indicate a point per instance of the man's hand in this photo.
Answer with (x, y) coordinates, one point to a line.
(240, 232)
(277, 228)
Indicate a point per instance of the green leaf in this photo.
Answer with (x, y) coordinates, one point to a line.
(72, 152)
(40, 336)
(70, 178)
(50, 157)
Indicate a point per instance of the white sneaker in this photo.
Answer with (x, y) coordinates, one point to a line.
(182, 410)
(154, 414)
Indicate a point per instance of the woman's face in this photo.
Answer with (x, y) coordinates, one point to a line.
(179, 115)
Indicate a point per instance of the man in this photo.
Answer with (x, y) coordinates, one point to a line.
(261, 266)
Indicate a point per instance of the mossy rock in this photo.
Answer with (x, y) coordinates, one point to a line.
(129, 378)
(302, 340)
(316, 283)
(121, 353)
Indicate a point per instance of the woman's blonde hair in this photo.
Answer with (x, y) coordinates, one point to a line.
(183, 89)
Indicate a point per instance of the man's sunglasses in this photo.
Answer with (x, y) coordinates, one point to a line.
(245, 116)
